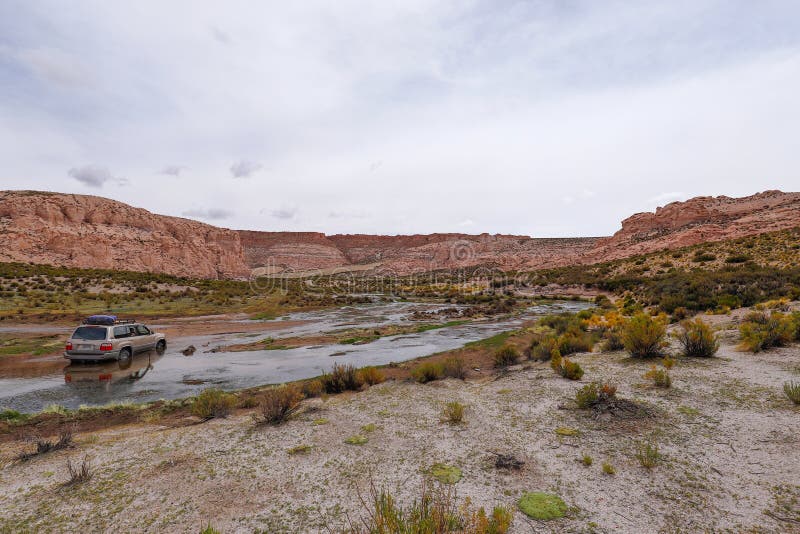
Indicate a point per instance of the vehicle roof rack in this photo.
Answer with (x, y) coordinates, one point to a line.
(125, 321)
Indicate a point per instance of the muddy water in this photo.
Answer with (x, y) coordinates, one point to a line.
(151, 376)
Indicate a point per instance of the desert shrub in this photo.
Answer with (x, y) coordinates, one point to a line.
(428, 372)
(796, 322)
(679, 314)
(454, 413)
(312, 388)
(792, 390)
(555, 360)
(643, 335)
(79, 472)
(542, 347)
(593, 393)
(44, 446)
(612, 340)
(212, 402)
(697, 339)
(603, 301)
(436, 510)
(371, 375)
(608, 469)
(505, 356)
(341, 378)
(738, 258)
(571, 370)
(587, 460)
(668, 362)
(647, 455)
(760, 331)
(210, 530)
(660, 377)
(703, 257)
(572, 342)
(454, 367)
(278, 404)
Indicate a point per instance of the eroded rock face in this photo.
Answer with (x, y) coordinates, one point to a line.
(94, 232)
(699, 220)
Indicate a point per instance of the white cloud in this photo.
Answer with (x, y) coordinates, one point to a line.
(284, 213)
(172, 170)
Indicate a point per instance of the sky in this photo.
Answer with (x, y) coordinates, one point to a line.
(544, 118)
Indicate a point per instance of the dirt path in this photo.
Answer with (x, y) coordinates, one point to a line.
(727, 435)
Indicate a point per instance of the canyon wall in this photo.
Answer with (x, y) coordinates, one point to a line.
(95, 232)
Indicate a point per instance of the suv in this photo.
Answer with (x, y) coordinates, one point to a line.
(112, 340)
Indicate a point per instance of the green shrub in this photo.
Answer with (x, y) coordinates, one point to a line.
(212, 403)
(612, 340)
(505, 356)
(454, 413)
(312, 388)
(593, 393)
(660, 377)
(647, 455)
(278, 404)
(608, 469)
(572, 342)
(697, 339)
(542, 506)
(454, 367)
(760, 331)
(570, 370)
(587, 460)
(341, 378)
(792, 390)
(428, 372)
(643, 336)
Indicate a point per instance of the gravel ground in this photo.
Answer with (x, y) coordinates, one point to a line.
(727, 436)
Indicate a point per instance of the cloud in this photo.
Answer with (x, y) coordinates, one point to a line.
(244, 168)
(172, 170)
(466, 222)
(284, 213)
(95, 176)
(213, 214)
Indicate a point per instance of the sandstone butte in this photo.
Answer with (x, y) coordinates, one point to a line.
(94, 232)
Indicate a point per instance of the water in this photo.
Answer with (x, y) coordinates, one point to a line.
(151, 376)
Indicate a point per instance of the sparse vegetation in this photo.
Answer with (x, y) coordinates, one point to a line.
(643, 336)
(454, 367)
(428, 371)
(792, 390)
(660, 377)
(454, 413)
(435, 511)
(371, 375)
(341, 378)
(648, 455)
(587, 460)
(505, 356)
(212, 402)
(44, 446)
(608, 469)
(357, 439)
(697, 339)
(79, 472)
(761, 330)
(278, 404)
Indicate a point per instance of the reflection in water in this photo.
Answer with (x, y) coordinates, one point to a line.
(112, 378)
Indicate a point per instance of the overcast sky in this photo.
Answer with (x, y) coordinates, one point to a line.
(543, 118)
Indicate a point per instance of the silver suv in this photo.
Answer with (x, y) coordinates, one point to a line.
(118, 341)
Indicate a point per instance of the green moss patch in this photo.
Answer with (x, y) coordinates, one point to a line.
(542, 506)
(446, 474)
(356, 440)
(567, 431)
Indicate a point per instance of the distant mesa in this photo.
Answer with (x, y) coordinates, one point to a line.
(86, 231)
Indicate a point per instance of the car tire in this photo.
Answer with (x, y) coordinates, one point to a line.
(124, 354)
(161, 346)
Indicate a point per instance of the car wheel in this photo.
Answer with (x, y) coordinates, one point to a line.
(125, 354)
(161, 346)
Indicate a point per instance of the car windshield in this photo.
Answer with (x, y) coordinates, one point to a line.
(89, 333)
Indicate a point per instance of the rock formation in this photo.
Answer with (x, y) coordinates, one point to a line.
(94, 232)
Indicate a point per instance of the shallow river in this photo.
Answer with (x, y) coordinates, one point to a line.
(151, 376)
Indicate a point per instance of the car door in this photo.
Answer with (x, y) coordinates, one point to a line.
(136, 340)
(147, 337)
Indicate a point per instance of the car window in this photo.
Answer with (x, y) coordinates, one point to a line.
(121, 331)
(89, 333)
(131, 331)
(142, 330)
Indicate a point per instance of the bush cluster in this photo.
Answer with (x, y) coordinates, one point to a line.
(212, 403)
(697, 339)
(567, 333)
(505, 356)
(342, 378)
(643, 336)
(279, 403)
(761, 330)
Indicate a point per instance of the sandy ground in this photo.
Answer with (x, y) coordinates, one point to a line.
(727, 435)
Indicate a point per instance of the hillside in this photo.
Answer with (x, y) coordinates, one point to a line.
(93, 232)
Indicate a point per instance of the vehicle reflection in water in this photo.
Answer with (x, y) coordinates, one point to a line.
(111, 378)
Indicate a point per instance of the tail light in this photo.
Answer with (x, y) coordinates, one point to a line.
(69, 345)
(104, 377)
(106, 346)
(67, 378)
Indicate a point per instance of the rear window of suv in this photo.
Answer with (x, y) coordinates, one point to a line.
(89, 333)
